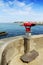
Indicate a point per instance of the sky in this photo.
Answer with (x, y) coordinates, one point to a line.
(21, 10)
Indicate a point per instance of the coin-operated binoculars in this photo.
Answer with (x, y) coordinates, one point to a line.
(28, 55)
(27, 36)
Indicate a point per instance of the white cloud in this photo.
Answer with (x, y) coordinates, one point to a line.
(1, 3)
(19, 4)
(19, 11)
(11, 2)
(19, 8)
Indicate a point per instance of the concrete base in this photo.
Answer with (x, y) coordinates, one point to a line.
(30, 56)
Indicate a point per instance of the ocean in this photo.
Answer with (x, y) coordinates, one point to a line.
(14, 29)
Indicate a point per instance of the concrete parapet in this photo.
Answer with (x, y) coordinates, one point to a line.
(11, 49)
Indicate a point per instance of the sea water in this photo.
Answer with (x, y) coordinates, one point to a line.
(14, 29)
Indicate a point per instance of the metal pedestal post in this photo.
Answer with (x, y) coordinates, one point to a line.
(28, 55)
(27, 42)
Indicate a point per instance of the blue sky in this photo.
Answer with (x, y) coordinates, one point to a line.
(21, 10)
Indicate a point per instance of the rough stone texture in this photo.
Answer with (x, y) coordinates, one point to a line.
(38, 61)
(13, 49)
(30, 56)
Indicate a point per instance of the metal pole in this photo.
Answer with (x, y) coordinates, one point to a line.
(27, 39)
(27, 42)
